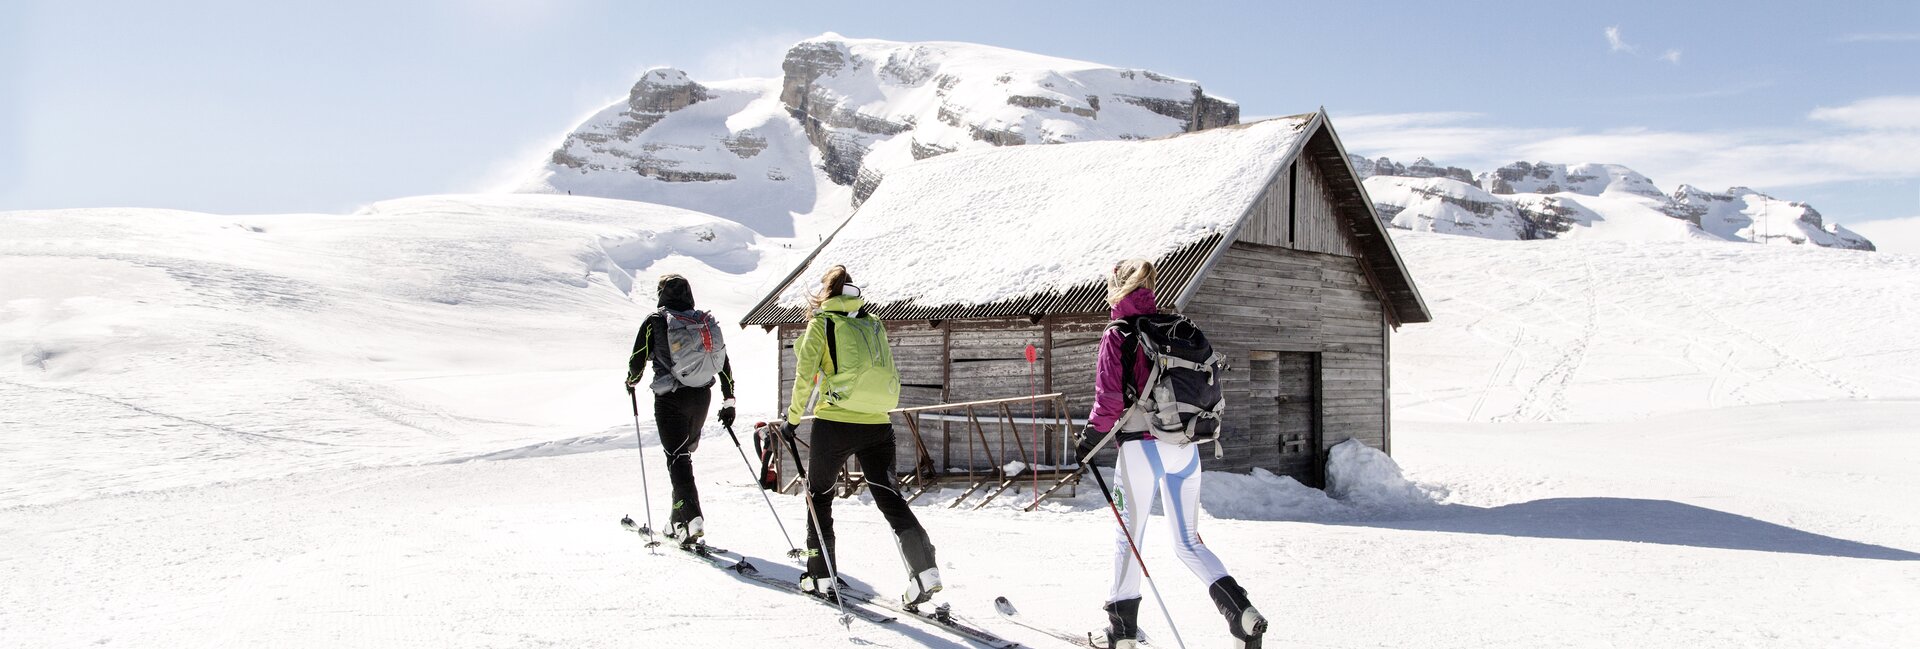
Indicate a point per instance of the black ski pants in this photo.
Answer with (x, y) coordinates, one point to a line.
(679, 415)
(872, 445)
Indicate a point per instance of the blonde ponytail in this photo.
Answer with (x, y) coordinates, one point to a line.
(1129, 276)
(831, 283)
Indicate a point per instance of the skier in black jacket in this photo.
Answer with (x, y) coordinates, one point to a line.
(678, 409)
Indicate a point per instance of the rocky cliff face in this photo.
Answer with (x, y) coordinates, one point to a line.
(1548, 178)
(1541, 200)
(844, 112)
(1421, 168)
(870, 106)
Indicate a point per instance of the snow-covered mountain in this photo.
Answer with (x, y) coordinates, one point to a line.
(846, 111)
(1540, 200)
(791, 155)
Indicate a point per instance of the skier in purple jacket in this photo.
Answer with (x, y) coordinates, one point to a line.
(1146, 465)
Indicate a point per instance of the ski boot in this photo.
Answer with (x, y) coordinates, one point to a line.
(1243, 621)
(819, 586)
(1123, 630)
(921, 588)
(923, 574)
(687, 534)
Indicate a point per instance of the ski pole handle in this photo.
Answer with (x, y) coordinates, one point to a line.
(635, 399)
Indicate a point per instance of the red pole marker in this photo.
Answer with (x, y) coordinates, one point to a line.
(1033, 424)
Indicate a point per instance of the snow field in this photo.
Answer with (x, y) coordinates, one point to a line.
(1613, 330)
(1566, 535)
(400, 428)
(162, 349)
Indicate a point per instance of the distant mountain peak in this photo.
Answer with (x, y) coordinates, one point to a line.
(845, 112)
(1546, 200)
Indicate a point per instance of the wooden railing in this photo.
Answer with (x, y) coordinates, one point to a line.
(1039, 443)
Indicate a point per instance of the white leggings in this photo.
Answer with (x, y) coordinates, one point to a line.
(1144, 467)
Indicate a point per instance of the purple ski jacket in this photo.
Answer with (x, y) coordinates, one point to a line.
(1109, 400)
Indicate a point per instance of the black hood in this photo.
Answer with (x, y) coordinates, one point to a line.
(676, 294)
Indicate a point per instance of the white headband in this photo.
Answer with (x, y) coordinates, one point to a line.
(850, 290)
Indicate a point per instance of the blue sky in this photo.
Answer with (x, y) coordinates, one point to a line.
(322, 106)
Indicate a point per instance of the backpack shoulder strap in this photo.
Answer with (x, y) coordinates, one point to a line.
(1129, 348)
(833, 346)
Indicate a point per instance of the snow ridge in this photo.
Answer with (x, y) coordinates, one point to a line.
(1541, 200)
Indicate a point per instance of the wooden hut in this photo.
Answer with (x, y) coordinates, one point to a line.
(1262, 233)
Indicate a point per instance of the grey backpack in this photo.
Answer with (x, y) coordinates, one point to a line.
(696, 349)
(1183, 401)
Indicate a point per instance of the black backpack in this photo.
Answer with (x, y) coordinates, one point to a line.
(1182, 400)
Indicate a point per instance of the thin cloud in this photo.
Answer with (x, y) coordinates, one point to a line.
(1615, 43)
(1732, 90)
(1908, 37)
(1898, 112)
(1405, 120)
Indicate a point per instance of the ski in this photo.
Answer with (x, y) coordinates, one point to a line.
(1007, 612)
(941, 616)
(745, 570)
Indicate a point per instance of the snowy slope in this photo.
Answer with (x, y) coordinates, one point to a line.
(1783, 526)
(846, 112)
(165, 348)
(236, 430)
(1606, 330)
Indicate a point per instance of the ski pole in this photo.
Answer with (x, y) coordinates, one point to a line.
(646, 501)
(833, 576)
(1122, 521)
(793, 551)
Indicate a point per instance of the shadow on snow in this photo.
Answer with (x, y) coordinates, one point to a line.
(1637, 520)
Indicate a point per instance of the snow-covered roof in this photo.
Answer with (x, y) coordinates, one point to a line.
(1011, 230)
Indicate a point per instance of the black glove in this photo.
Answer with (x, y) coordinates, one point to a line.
(787, 431)
(1088, 438)
(726, 416)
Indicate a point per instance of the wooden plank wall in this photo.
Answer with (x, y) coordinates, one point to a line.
(988, 361)
(1271, 299)
(1076, 350)
(1271, 219)
(1317, 226)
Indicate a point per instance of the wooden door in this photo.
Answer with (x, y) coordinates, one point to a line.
(1284, 395)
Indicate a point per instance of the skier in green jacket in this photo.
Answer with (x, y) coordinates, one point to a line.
(844, 354)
